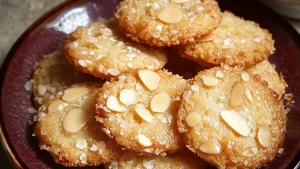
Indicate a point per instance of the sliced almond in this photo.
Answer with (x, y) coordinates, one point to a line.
(53, 107)
(192, 119)
(245, 76)
(144, 113)
(195, 87)
(171, 15)
(180, 1)
(210, 148)
(75, 120)
(254, 150)
(127, 96)
(208, 37)
(257, 39)
(114, 104)
(144, 141)
(72, 94)
(248, 94)
(220, 74)
(236, 122)
(249, 152)
(81, 143)
(236, 94)
(41, 89)
(210, 80)
(149, 78)
(105, 32)
(264, 136)
(160, 102)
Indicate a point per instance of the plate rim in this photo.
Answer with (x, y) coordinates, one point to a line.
(12, 155)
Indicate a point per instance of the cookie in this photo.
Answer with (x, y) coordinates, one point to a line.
(181, 160)
(231, 121)
(236, 42)
(167, 23)
(139, 111)
(268, 73)
(66, 127)
(181, 66)
(53, 75)
(102, 50)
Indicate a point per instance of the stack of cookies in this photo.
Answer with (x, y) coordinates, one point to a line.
(105, 97)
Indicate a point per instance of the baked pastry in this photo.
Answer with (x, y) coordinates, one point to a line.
(236, 42)
(167, 23)
(52, 75)
(66, 127)
(139, 111)
(231, 119)
(180, 160)
(268, 73)
(102, 50)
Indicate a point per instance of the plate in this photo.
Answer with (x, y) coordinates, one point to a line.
(49, 32)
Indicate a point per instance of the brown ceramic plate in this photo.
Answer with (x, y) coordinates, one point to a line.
(49, 32)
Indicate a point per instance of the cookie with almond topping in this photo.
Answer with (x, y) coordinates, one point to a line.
(66, 128)
(268, 73)
(236, 42)
(102, 50)
(139, 111)
(231, 121)
(167, 22)
(53, 75)
(180, 160)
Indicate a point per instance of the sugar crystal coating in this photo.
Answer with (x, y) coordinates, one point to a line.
(70, 132)
(52, 75)
(105, 52)
(148, 126)
(167, 23)
(226, 135)
(233, 44)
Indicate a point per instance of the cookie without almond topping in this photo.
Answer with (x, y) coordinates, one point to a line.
(167, 23)
(148, 125)
(235, 123)
(102, 50)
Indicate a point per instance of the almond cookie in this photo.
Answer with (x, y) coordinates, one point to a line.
(181, 160)
(66, 127)
(103, 51)
(167, 22)
(268, 73)
(231, 121)
(139, 111)
(52, 75)
(236, 42)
